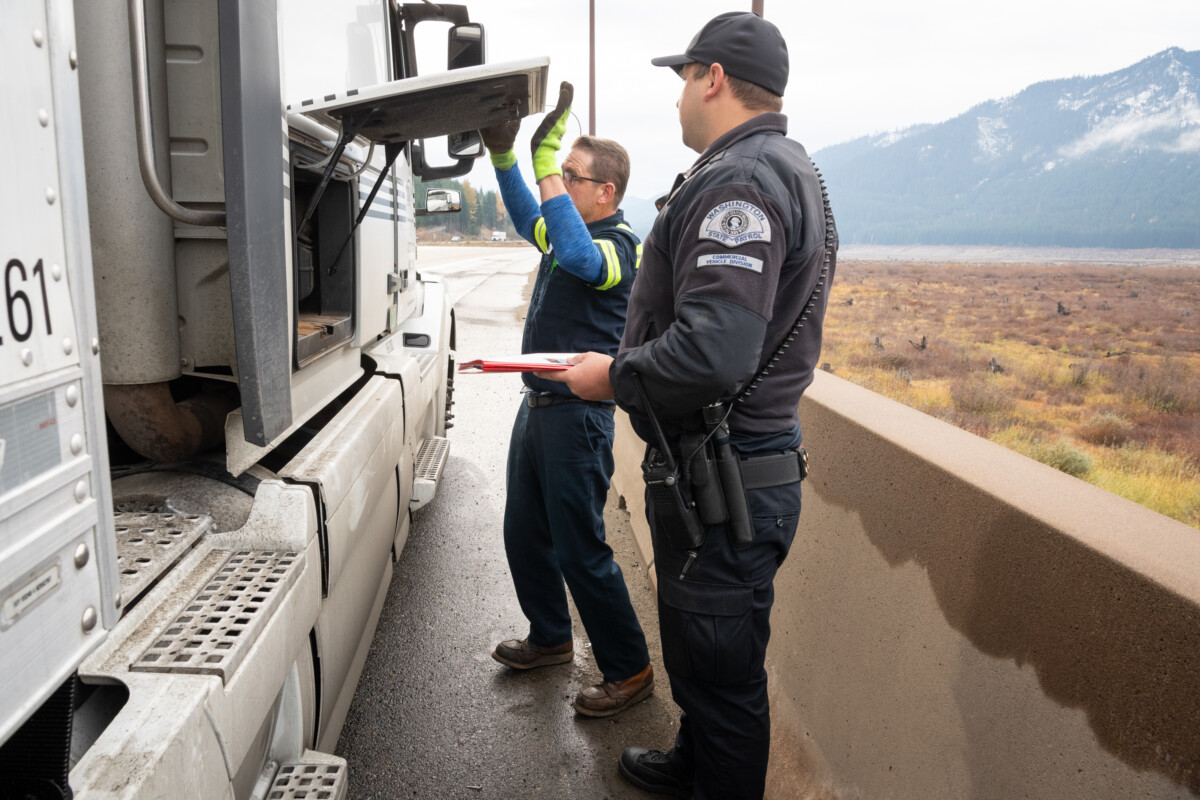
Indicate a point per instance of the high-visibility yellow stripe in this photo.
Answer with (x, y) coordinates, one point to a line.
(612, 263)
(637, 264)
(539, 235)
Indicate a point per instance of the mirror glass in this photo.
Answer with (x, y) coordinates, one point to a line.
(464, 145)
(442, 201)
(465, 46)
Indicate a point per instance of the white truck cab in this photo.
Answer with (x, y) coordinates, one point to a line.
(225, 385)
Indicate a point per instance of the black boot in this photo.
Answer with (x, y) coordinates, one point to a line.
(654, 771)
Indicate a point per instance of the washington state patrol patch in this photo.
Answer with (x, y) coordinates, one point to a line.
(730, 260)
(735, 223)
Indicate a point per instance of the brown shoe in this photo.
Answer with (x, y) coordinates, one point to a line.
(612, 697)
(522, 654)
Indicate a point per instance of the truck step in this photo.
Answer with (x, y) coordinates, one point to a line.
(150, 544)
(431, 460)
(311, 779)
(218, 627)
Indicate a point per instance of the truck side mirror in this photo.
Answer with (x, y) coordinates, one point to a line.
(481, 98)
(441, 201)
(466, 46)
(468, 144)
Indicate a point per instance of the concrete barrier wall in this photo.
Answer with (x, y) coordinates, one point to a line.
(958, 621)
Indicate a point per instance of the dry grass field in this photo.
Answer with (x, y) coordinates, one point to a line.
(1094, 370)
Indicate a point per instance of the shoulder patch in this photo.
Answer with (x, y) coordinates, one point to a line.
(735, 223)
(730, 260)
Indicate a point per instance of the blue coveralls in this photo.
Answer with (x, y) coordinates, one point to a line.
(560, 454)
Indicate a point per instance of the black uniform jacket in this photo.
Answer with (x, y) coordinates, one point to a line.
(733, 257)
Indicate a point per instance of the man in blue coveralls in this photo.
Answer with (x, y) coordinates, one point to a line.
(560, 456)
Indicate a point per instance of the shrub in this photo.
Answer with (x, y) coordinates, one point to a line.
(981, 395)
(1119, 374)
(881, 360)
(1063, 456)
(1165, 482)
(1167, 385)
(1067, 397)
(1080, 372)
(979, 424)
(888, 384)
(894, 361)
(1110, 430)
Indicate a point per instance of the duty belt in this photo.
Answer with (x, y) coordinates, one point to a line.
(543, 400)
(763, 472)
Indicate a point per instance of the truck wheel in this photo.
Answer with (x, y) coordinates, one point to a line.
(286, 732)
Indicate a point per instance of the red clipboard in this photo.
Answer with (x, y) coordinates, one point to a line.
(531, 362)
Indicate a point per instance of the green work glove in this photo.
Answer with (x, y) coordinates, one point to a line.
(499, 140)
(547, 139)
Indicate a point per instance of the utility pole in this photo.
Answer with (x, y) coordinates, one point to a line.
(592, 67)
(756, 7)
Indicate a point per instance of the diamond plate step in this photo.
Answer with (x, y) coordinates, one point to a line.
(215, 631)
(149, 544)
(431, 460)
(310, 781)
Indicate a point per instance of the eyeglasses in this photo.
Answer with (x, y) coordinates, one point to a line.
(569, 178)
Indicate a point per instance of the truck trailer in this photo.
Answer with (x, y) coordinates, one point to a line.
(224, 384)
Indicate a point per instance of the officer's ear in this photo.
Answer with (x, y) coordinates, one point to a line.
(716, 79)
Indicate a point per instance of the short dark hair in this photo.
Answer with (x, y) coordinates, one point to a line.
(752, 96)
(610, 163)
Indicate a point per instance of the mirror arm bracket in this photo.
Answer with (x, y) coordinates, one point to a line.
(425, 172)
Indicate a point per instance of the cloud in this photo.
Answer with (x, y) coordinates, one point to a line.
(1188, 142)
(1174, 130)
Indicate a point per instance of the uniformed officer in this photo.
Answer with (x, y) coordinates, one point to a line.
(742, 245)
(560, 455)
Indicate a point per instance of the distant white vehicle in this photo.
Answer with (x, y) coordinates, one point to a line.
(499, 236)
(456, 238)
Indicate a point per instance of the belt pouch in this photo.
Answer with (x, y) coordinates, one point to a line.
(669, 502)
(729, 468)
(701, 474)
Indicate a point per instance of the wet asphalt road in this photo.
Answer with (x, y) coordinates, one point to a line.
(434, 715)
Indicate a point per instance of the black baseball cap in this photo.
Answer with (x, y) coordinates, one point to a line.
(744, 44)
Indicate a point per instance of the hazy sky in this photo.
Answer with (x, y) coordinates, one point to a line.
(857, 66)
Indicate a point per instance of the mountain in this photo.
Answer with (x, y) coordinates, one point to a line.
(1106, 161)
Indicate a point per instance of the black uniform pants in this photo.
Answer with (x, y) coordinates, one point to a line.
(715, 623)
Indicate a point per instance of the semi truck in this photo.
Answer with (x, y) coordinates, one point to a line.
(224, 384)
